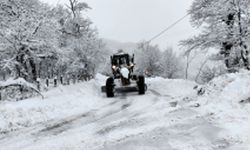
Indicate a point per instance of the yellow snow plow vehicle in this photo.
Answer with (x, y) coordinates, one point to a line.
(124, 79)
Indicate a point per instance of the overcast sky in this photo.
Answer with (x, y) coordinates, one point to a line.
(136, 20)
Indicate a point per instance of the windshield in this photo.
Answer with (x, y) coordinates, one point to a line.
(120, 60)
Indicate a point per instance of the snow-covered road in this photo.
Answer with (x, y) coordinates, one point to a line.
(171, 116)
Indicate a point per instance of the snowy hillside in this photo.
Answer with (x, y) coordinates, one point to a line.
(170, 116)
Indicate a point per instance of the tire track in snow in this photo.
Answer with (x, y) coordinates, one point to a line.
(56, 127)
(159, 94)
(83, 119)
(63, 125)
(171, 103)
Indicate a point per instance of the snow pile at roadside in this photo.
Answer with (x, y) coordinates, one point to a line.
(226, 102)
(229, 89)
(58, 103)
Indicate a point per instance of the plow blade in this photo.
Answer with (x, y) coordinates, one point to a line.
(122, 89)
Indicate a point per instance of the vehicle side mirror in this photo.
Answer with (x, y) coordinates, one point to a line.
(111, 60)
(133, 57)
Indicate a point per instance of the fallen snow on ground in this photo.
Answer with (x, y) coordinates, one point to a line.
(170, 116)
(226, 102)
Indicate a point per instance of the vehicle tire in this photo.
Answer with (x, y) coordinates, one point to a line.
(110, 87)
(141, 85)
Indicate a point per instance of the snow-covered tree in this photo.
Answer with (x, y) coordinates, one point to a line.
(26, 33)
(225, 25)
(171, 64)
(209, 73)
(148, 59)
(79, 41)
(151, 61)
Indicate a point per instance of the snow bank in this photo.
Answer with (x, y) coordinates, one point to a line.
(101, 79)
(226, 102)
(229, 88)
(58, 103)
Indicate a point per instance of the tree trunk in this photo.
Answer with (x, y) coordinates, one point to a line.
(228, 45)
(33, 69)
(244, 52)
(226, 51)
(187, 66)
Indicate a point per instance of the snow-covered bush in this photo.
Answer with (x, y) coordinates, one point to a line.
(209, 73)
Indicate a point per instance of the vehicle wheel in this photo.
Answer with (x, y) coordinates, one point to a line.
(110, 87)
(141, 85)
